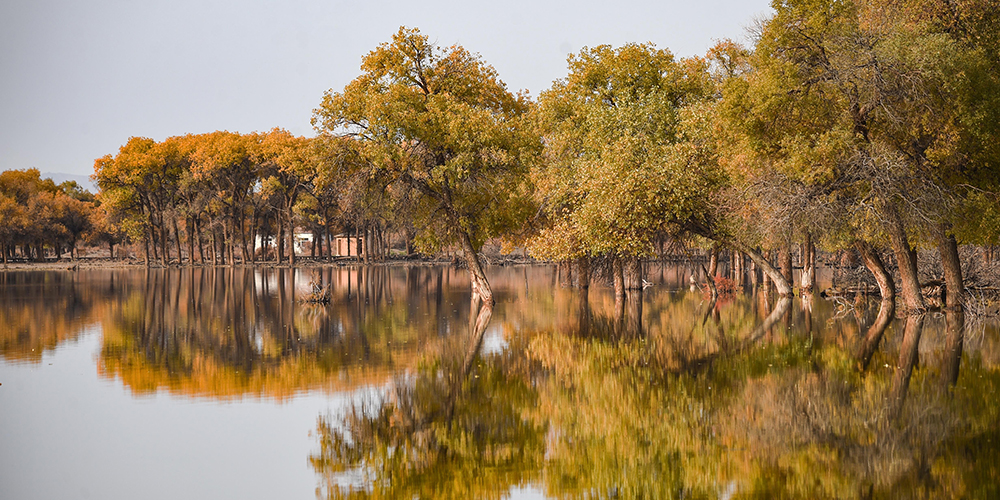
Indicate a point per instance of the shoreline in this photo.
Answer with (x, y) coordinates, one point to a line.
(93, 263)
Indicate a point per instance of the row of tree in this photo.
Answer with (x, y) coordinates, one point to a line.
(227, 190)
(851, 124)
(37, 214)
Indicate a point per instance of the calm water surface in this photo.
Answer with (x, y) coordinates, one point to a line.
(205, 383)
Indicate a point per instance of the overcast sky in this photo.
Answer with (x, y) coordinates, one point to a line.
(78, 78)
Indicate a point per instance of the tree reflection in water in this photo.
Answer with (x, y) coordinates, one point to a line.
(723, 403)
(232, 332)
(688, 398)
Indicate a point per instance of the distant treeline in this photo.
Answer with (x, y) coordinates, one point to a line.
(863, 125)
(37, 213)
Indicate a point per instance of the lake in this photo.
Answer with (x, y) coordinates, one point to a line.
(223, 383)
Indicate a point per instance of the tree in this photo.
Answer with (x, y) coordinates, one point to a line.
(287, 167)
(623, 161)
(440, 121)
(223, 160)
(877, 106)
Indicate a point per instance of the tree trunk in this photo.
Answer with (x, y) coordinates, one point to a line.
(713, 261)
(189, 229)
(145, 248)
(280, 240)
(230, 240)
(906, 259)
(618, 277)
(368, 244)
(177, 238)
(409, 241)
(952, 266)
(244, 245)
(808, 281)
(765, 282)
(874, 264)
(164, 240)
(215, 256)
(783, 287)
(738, 271)
(358, 249)
(583, 272)
(291, 233)
(201, 243)
(480, 286)
(785, 261)
(633, 273)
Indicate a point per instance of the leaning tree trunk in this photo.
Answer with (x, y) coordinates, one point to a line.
(906, 259)
(874, 264)
(713, 261)
(480, 286)
(780, 283)
(177, 239)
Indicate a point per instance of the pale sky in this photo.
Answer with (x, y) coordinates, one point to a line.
(78, 78)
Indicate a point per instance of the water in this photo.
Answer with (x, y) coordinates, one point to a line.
(205, 383)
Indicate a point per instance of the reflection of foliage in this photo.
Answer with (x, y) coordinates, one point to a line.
(788, 415)
(235, 333)
(437, 435)
(39, 310)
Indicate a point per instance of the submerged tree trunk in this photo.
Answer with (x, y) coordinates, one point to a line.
(618, 277)
(583, 272)
(874, 264)
(783, 287)
(952, 266)
(480, 286)
(808, 281)
(291, 234)
(632, 269)
(906, 259)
